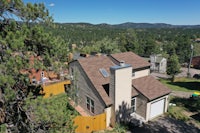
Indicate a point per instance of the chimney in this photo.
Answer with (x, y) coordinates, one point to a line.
(122, 63)
(120, 88)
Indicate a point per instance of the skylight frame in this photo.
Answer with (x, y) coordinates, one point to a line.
(104, 72)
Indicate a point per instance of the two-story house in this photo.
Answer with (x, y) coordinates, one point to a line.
(158, 63)
(120, 85)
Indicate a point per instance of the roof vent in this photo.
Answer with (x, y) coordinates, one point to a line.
(122, 63)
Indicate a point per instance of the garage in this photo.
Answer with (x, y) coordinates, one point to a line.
(157, 108)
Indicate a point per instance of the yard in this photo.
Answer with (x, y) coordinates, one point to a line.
(183, 84)
(185, 108)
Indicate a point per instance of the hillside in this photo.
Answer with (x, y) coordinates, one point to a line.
(133, 25)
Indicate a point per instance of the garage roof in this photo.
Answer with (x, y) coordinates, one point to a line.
(150, 87)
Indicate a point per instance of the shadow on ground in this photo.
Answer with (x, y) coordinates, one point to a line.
(196, 116)
(165, 125)
(189, 85)
(191, 104)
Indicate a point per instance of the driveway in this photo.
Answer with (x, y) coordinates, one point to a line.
(184, 72)
(165, 124)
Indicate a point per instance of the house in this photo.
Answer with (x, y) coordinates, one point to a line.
(195, 63)
(51, 82)
(120, 85)
(158, 63)
(39, 76)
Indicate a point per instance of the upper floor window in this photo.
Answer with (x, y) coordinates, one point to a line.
(90, 104)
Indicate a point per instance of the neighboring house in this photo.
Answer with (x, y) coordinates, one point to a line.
(120, 85)
(51, 82)
(39, 76)
(158, 63)
(195, 63)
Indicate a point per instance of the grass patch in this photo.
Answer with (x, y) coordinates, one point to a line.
(186, 109)
(176, 112)
(183, 84)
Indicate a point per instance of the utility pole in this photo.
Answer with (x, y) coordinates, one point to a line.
(188, 74)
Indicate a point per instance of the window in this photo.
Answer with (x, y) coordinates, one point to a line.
(34, 81)
(133, 104)
(42, 74)
(104, 72)
(90, 104)
(133, 73)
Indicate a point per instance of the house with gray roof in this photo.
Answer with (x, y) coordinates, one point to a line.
(120, 85)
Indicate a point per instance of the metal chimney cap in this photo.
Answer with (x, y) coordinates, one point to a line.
(122, 63)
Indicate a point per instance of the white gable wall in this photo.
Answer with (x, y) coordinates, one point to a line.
(156, 107)
(141, 73)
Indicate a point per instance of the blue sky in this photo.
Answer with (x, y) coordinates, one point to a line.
(177, 12)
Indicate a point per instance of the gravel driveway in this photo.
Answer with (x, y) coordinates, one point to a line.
(183, 73)
(165, 125)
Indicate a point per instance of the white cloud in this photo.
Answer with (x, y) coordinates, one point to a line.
(52, 4)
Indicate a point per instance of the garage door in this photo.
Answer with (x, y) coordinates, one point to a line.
(157, 108)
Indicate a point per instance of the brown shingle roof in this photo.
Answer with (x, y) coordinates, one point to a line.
(91, 66)
(132, 59)
(150, 87)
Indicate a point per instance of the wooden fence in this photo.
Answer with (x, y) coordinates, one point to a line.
(88, 124)
(54, 88)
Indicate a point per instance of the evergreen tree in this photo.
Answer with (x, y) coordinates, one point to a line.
(16, 40)
(173, 66)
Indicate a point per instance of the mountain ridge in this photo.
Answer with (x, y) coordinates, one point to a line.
(135, 25)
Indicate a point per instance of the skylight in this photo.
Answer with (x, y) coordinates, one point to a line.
(104, 72)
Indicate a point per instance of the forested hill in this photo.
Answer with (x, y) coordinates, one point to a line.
(135, 25)
(144, 39)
